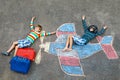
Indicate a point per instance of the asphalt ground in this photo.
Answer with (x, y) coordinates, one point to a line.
(15, 16)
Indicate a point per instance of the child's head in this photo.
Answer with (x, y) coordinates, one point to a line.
(38, 28)
(93, 28)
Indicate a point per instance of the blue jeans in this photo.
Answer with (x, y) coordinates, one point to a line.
(24, 43)
(78, 40)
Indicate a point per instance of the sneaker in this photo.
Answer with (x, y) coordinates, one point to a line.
(5, 53)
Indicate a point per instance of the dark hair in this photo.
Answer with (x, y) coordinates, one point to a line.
(39, 26)
(95, 29)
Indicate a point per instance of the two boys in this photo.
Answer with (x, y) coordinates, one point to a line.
(90, 32)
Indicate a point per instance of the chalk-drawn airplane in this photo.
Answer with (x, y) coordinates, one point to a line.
(70, 61)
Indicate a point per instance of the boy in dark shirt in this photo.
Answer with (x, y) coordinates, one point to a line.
(90, 32)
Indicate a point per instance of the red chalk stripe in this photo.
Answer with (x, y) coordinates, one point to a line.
(69, 61)
(60, 33)
(109, 51)
(99, 38)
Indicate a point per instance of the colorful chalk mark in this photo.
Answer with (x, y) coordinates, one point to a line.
(70, 61)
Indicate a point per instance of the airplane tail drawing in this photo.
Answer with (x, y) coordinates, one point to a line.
(106, 44)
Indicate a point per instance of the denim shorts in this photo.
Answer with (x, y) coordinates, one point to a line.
(78, 40)
(24, 43)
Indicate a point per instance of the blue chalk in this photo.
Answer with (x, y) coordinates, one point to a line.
(72, 69)
(67, 27)
(107, 40)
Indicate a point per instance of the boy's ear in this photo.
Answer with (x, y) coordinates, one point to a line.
(39, 30)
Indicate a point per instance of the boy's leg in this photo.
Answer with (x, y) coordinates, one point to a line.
(71, 43)
(7, 53)
(12, 47)
(16, 48)
(67, 43)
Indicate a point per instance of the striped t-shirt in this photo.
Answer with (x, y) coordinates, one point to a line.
(33, 35)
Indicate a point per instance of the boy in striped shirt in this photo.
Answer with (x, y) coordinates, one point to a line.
(31, 37)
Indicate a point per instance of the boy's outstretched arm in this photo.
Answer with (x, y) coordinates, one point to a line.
(102, 30)
(47, 33)
(32, 22)
(84, 24)
(53, 33)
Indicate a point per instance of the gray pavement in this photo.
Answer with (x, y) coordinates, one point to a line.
(15, 16)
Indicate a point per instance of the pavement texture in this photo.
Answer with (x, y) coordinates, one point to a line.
(15, 16)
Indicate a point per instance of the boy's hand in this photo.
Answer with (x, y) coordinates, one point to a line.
(105, 27)
(33, 18)
(83, 17)
(54, 32)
